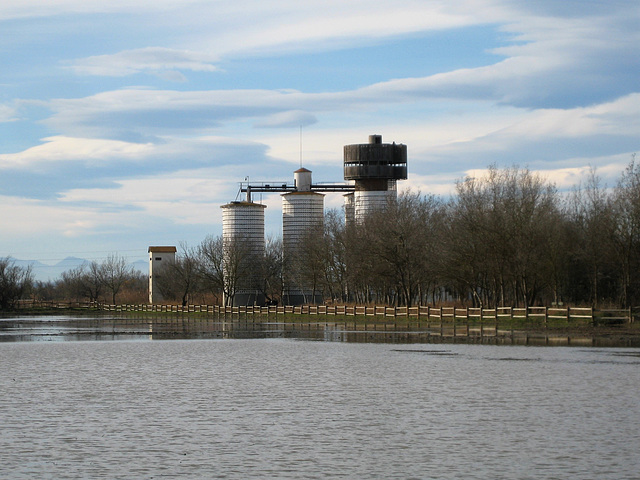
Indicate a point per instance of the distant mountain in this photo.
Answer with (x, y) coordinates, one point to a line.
(70, 262)
(141, 265)
(26, 263)
(43, 272)
(35, 265)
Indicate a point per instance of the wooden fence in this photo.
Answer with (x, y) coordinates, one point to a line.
(543, 314)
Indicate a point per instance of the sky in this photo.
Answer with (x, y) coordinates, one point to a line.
(128, 123)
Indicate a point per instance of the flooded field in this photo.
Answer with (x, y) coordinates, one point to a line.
(289, 408)
(190, 326)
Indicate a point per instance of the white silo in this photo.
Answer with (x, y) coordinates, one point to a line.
(349, 208)
(375, 168)
(244, 248)
(302, 212)
(367, 201)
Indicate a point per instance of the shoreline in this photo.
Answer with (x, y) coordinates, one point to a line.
(25, 325)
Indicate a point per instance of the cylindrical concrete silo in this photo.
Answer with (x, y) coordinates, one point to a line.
(302, 212)
(244, 248)
(349, 208)
(375, 167)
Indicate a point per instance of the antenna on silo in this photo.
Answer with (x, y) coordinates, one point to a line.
(300, 145)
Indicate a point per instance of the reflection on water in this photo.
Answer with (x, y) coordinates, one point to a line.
(103, 327)
(281, 408)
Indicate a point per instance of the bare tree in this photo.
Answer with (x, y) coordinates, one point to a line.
(394, 249)
(48, 290)
(272, 270)
(115, 272)
(306, 264)
(626, 232)
(590, 211)
(211, 267)
(335, 255)
(15, 282)
(498, 239)
(84, 281)
(228, 265)
(180, 278)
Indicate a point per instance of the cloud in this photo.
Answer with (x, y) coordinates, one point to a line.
(29, 217)
(573, 61)
(608, 168)
(317, 25)
(120, 114)
(517, 81)
(164, 62)
(442, 184)
(552, 135)
(549, 62)
(153, 203)
(468, 133)
(61, 149)
(64, 163)
(291, 118)
(7, 114)
(184, 196)
(142, 113)
(48, 8)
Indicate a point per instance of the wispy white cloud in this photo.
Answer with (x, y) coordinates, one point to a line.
(184, 196)
(299, 26)
(154, 60)
(291, 118)
(47, 8)
(124, 113)
(28, 217)
(7, 113)
(120, 158)
(157, 112)
(440, 184)
(608, 168)
(61, 149)
(554, 134)
(451, 141)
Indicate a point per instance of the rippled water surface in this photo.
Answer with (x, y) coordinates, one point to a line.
(282, 408)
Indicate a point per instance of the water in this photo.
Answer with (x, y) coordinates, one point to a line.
(285, 408)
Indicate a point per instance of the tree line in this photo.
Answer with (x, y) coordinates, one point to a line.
(508, 238)
(99, 282)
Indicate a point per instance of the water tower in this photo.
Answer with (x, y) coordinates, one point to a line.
(375, 167)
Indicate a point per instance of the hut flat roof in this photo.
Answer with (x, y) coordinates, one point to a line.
(163, 249)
